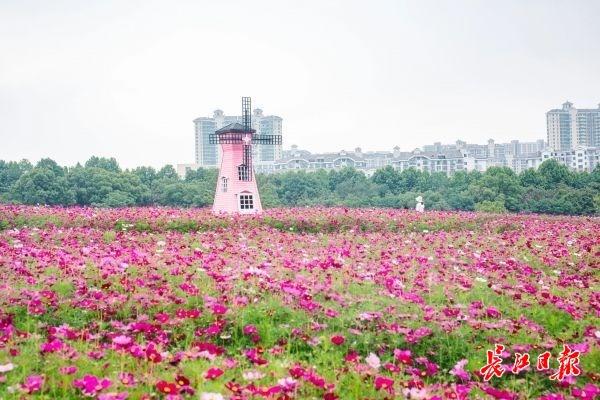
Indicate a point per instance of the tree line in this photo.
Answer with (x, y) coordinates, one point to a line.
(101, 182)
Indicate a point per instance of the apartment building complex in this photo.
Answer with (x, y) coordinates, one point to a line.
(447, 158)
(569, 128)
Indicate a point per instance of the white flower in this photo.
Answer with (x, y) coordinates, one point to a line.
(373, 361)
(253, 375)
(211, 396)
(7, 367)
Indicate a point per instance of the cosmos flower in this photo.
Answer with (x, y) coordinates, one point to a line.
(337, 340)
(90, 385)
(373, 361)
(213, 373)
(32, 384)
(211, 396)
(459, 371)
(167, 387)
(7, 367)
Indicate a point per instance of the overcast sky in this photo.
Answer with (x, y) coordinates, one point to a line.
(126, 78)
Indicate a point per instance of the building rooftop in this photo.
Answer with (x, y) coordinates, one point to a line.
(235, 127)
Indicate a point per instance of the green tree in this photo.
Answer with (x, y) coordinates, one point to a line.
(42, 186)
(388, 180)
(107, 164)
(50, 164)
(167, 172)
(10, 172)
(147, 175)
(300, 188)
(93, 185)
(531, 177)
(498, 184)
(553, 173)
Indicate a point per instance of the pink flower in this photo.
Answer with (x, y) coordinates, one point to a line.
(51, 346)
(492, 312)
(122, 340)
(213, 373)
(352, 356)
(288, 384)
(459, 372)
(373, 361)
(552, 396)
(114, 396)
(250, 330)
(127, 379)
(382, 382)
(500, 394)
(68, 370)
(230, 363)
(337, 340)
(91, 385)
(297, 371)
(218, 309)
(404, 356)
(32, 384)
(589, 391)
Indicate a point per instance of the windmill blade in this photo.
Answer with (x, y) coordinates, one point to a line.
(247, 113)
(266, 139)
(248, 155)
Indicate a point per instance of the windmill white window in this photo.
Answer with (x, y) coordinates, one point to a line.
(246, 202)
(224, 184)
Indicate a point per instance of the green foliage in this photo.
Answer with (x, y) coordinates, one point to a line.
(552, 189)
(491, 206)
(10, 172)
(42, 186)
(108, 164)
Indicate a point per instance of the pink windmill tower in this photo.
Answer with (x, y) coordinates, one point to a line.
(236, 190)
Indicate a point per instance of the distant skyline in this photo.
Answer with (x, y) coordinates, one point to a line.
(125, 79)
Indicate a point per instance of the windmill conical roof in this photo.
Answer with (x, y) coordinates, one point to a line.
(235, 127)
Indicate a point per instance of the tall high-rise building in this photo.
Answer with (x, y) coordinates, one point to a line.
(208, 155)
(569, 127)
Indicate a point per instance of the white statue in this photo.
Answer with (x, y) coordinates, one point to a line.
(420, 206)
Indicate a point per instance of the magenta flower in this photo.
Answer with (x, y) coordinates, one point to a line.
(382, 382)
(403, 356)
(492, 312)
(337, 340)
(213, 373)
(589, 391)
(113, 396)
(90, 385)
(32, 384)
(52, 346)
(218, 309)
(250, 330)
(459, 372)
(68, 370)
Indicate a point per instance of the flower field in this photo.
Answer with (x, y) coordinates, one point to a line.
(310, 303)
